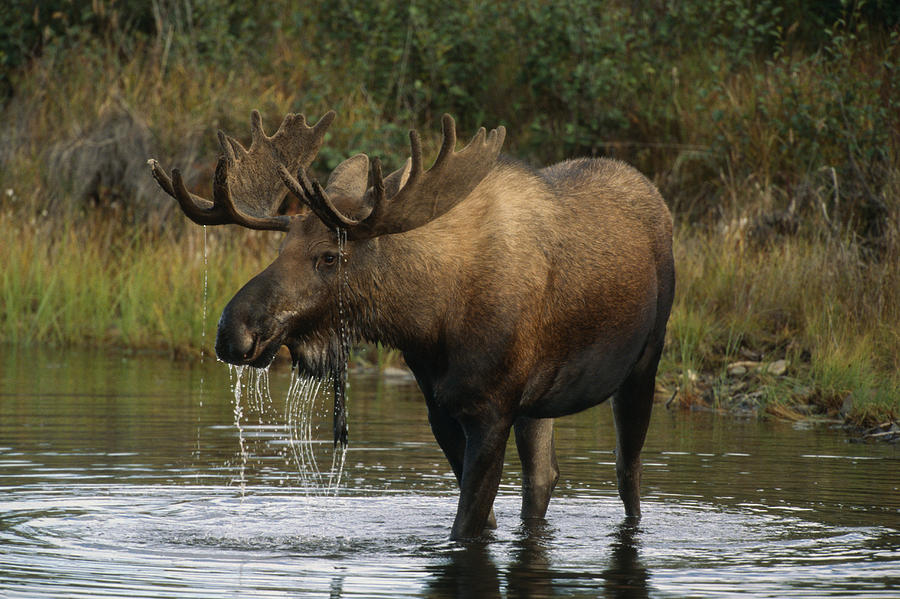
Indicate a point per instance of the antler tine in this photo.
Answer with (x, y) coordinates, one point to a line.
(324, 122)
(483, 141)
(376, 199)
(162, 178)
(199, 210)
(231, 148)
(415, 147)
(377, 190)
(448, 144)
(448, 141)
(257, 134)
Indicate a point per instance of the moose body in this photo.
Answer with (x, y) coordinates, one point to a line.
(535, 295)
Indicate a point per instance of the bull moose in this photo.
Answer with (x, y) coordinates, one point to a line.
(515, 295)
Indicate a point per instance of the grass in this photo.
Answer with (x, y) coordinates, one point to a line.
(823, 306)
(97, 285)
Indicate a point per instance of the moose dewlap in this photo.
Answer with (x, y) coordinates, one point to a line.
(516, 295)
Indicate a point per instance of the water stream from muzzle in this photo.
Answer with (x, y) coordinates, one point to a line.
(340, 374)
(236, 373)
(203, 337)
(252, 392)
(299, 415)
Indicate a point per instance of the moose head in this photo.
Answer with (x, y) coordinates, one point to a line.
(297, 300)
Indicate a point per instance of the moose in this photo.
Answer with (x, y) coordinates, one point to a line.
(516, 295)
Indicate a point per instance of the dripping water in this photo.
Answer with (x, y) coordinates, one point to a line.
(203, 336)
(236, 373)
(338, 459)
(252, 392)
(299, 405)
(342, 382)
(204, 314)
(260, 396)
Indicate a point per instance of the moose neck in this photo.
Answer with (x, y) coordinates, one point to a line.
(401, 288)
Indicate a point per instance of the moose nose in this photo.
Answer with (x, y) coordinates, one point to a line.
(235, 343)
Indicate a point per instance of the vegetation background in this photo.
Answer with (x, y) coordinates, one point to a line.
(772, 128)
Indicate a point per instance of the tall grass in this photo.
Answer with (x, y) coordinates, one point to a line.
(824, 306)
(98, 284)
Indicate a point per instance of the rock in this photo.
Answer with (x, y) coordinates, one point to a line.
(846, 406)
(741, 368)
(750, 355)
(394, 372)
(778, 367)
(690, 375)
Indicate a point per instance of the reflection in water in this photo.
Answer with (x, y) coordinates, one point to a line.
(337, 587)
(471, 570)
(626, 577)
(530, 573)
(467, 571)
(116, 479)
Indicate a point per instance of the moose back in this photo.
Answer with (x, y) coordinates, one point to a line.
(515, 295)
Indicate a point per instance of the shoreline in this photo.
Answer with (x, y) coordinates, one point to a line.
(741, 392)
(742, 397)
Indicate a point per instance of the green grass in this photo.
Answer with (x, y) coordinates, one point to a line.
(96, 285)
(822, 305)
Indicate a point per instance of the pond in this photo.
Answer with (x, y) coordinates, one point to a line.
(131, 476)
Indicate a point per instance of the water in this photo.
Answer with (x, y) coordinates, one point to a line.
(116, 482)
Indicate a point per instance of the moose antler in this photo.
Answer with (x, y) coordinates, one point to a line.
(246, 189)
(407, 198)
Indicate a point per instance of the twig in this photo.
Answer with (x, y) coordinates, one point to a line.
(671, 399)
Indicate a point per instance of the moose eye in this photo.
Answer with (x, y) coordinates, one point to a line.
(326, 261)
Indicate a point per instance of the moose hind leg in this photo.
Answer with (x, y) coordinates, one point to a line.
(632, 405)
(534, 442)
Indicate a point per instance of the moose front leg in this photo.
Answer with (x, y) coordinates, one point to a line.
(482, 467)
(452, 440)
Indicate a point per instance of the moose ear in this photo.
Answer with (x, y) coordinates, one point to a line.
(350, 178)
(347, 186)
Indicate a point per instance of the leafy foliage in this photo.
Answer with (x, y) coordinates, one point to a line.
(790, 106)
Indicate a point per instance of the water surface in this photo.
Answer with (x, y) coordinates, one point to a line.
(122, 476)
